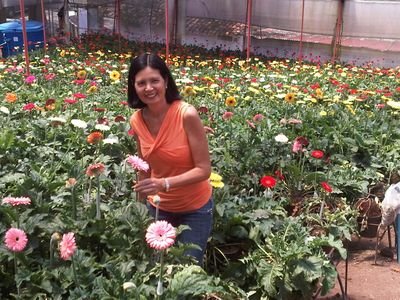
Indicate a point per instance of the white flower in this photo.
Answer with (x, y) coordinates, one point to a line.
(58, 120)
(79, 123)
(5, 110)
(111, 140)
(281, 138)
(102, 127)
(128, 285)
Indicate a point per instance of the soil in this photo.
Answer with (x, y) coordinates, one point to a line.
(366, 279)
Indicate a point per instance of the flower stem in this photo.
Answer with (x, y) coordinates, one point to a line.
(157, 211)
(15, 275)
(160, 289)
(74, 273)
(98, 213)
(136, 193)
(73, 203)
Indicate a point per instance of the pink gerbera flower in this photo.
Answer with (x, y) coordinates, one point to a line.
(29, 106)
(15, 239)
(137, 163)
(15, 201)
(30, 79)
(67, 246)
(160, 235)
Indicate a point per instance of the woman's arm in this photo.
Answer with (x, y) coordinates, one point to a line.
(142, 175)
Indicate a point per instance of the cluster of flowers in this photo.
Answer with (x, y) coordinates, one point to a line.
(16, 239)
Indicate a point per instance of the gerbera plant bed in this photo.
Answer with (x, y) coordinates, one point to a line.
(292, 144)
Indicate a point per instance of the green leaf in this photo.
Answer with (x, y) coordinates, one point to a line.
(309, 267)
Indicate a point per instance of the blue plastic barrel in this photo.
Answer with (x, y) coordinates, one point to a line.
(11, 38)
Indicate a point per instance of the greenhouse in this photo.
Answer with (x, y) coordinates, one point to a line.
(198, 149)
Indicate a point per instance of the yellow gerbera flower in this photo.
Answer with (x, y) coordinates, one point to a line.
(319, 93)
(81, 74)
(188, 91)
(230, 101)
(92, 89)
(115, 75)
(216, 180)
(62, 53)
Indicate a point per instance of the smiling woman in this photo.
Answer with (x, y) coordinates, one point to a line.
(171, 138)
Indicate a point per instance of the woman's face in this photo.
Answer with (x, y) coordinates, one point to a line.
(150, 86)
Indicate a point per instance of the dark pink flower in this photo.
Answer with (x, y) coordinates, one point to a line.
(49, 76)
(131, 132)
(70, 101)
(30, 79)
(79, 96)
(29, 106)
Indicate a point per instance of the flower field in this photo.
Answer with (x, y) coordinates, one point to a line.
(293, 146)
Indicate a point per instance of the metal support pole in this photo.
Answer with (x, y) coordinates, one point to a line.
(301, 34)
(166, 31)
(24, 35)
(249, 14)
(44, 27)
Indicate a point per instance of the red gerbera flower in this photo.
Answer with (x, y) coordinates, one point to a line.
(268, 181)
(326, 187)
(279, 174)
(317, 154)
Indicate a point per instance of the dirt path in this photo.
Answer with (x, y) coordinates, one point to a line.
(367, 280)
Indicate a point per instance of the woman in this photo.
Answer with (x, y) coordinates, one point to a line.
(171, 138)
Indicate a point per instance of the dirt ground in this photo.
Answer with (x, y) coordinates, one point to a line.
(367, 280)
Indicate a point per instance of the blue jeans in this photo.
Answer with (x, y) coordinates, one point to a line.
(200, 221)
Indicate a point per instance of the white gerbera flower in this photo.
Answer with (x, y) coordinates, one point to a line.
(111, 140)
(5, 110)
(58, 120)
(79, 123)
(102, 127)
(281, 138)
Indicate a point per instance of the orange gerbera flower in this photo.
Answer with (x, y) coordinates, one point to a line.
(95, 137)
(50, 104)
(230, 101)
(11, 97)
(290, 98)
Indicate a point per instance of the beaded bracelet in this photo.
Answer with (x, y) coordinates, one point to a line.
(166, 185)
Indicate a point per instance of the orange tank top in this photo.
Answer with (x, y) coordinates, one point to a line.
(168, 155)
